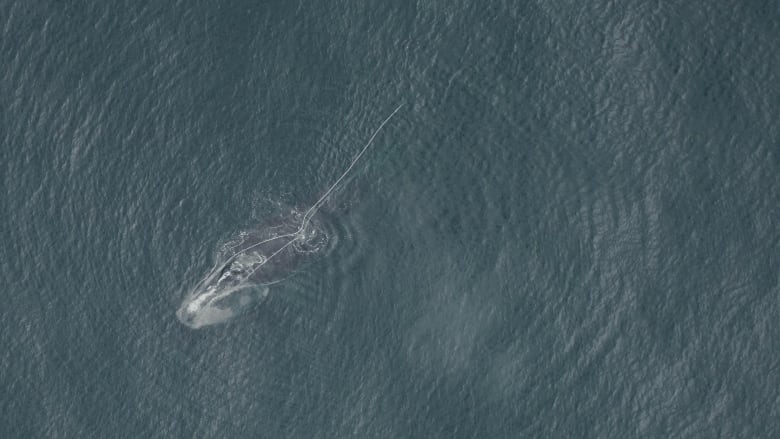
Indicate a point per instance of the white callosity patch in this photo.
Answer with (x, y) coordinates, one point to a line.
(213, 306)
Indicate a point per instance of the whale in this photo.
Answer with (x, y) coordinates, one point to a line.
(261, 258)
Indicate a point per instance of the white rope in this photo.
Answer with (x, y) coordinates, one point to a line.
(298, 235)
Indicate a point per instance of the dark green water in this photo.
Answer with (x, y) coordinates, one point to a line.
(570, 229)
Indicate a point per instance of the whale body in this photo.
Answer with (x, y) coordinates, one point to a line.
(260, 258)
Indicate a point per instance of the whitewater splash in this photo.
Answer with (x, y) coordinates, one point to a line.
(263, 257)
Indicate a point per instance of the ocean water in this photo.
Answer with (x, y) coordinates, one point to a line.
(570, 229)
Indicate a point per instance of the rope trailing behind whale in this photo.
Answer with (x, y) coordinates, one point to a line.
(245, 276)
